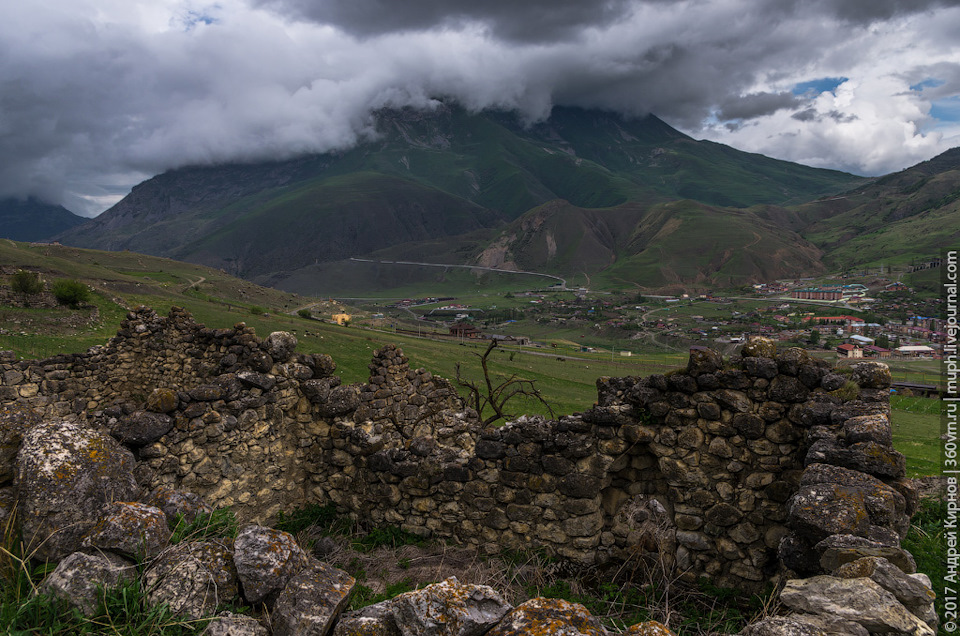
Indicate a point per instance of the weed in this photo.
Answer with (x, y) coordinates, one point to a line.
(325, 519)
(221, 523)
(849, 391)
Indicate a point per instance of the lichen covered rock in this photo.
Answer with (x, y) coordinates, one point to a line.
(550, 616)
(449, 608)
(65, 474)
(134, 530)
(311, 601)
(194, 578)
(266, 560)
(230, 624)
(859, 600)
(80, 578)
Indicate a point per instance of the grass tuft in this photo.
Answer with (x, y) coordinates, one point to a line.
(221, 523)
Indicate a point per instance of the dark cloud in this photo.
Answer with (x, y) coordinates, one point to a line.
(866, 11)
(756, 105)
(97, 94)
(511, 20)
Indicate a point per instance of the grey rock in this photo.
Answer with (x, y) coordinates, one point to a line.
(177, 505)
(280, 345)
(193, 578)
(782, 626)
(373, 620)
(340, 401)
(266, 559)
(838, 549)
(311, 601)
(858, 600)
(872, 375)
(820, 510)
(868, 428)
(909, 591)
(79, 578)
(141, 427)
(555, 616)
(65, 474)
(449, 609)
(15, 420)
(230, 624)
(261, 381)
(134, 530)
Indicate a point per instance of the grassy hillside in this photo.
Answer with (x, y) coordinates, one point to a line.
(566, 376)
(430, 176)
(904, 217)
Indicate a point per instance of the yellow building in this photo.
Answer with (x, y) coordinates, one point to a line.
(342, 319)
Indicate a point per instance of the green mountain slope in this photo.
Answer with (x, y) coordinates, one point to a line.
(33, 220)
(677, 243)
(433, 176)
(906, 216)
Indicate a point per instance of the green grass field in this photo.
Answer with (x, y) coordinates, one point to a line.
(565, 376)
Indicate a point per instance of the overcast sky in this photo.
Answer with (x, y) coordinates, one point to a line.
(98, 95)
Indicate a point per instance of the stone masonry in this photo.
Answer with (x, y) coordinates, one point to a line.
(716, 470)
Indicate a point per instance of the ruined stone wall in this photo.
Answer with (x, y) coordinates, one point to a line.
(698, 470)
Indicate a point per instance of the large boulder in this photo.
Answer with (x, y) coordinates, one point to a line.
(311, 601)
(193, 578)
(66, 472)
(266, 560)
(449, 608)
(81, 578)
(552, 616)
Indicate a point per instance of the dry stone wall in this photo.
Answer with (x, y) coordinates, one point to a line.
(708, 470)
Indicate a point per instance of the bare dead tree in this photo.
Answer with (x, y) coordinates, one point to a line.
(495, 393)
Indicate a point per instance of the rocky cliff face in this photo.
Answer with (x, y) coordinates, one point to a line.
(738, 471)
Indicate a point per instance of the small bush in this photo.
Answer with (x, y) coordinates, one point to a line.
(26, 283)
(71, 292)
(257, 310)
(221, 523)
(305, 313)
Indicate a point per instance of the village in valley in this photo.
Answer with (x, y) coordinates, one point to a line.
(842, 317)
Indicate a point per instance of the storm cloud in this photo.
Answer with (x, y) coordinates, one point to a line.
(96, 95)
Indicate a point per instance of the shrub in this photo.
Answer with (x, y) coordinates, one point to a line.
(305, 313)
(26, 283)
(71, 292)
(257, 310)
